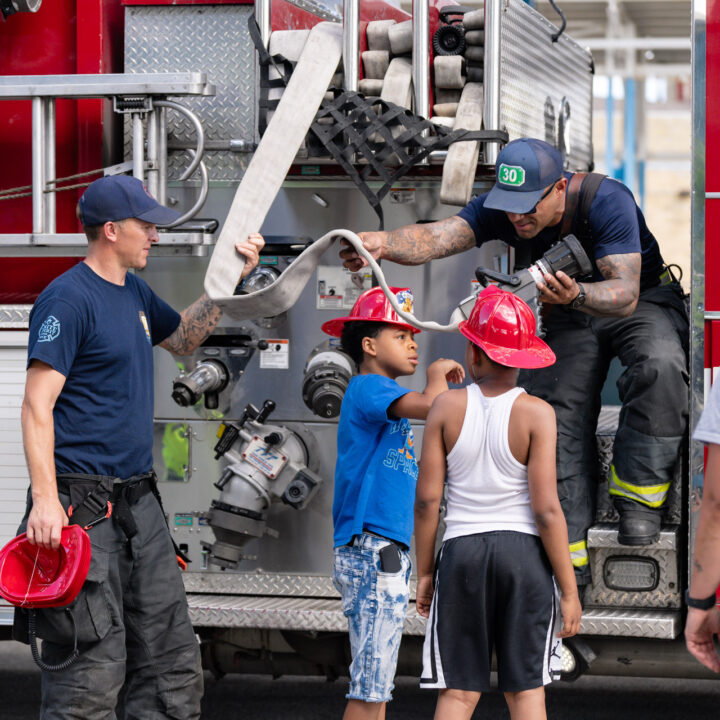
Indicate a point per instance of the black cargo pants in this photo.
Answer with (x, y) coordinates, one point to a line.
(133, 628)
(653, 390)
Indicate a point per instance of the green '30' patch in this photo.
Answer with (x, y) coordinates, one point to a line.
(511, 175)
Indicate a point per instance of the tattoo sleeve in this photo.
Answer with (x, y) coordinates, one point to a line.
(196, 322)
(617, 295)
(416, 244)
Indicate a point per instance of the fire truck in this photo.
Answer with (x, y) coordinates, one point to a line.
(302, 117)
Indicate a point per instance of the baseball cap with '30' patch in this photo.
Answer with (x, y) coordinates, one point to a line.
(525, 168)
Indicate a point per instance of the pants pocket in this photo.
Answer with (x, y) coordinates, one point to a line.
(347, 578)
(91, 610)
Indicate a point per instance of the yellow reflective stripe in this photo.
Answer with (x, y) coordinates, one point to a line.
(650, 495)
(579, 553)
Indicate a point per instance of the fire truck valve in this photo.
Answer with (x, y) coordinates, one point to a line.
(265, 464)
(326, 377)
(209, 378)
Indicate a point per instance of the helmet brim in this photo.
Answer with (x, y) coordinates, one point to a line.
(335, 327)
(537, 355)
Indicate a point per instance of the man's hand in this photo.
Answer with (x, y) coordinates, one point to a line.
(45, 523)
(424, 595)
(250, 248)
(451, 370)
(559, 289)
(571, 614)
(700, 627)
(373, 242)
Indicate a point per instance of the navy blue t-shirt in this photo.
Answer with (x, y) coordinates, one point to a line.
(376, 471)
(617, 227)
(100, 336)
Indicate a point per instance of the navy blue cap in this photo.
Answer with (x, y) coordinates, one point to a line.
(118, 197)
(525, 168)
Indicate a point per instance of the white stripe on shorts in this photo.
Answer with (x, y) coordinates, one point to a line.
(553, 644)
(432, 672)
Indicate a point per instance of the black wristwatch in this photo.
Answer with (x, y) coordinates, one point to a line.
(579, 300)
(702, 604)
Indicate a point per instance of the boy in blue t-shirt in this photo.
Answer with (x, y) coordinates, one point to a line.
(375, 478)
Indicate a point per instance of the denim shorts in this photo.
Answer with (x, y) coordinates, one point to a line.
(375, 604)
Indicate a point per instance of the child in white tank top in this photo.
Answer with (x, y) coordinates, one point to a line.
(506, 536)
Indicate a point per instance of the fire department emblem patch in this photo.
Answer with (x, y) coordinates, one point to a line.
(49, 330)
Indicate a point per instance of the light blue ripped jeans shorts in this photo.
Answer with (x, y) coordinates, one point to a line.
(375, 604)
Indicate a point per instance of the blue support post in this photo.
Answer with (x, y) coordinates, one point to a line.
(630, 158)
(609, 131)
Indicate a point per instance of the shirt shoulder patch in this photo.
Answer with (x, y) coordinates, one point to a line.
(49, 330)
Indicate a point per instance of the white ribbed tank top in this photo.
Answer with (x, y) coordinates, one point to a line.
(487, 487)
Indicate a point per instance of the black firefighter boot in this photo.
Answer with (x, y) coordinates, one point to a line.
(639, 524)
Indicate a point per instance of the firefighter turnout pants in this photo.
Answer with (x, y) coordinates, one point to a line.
(133, 629)
(653, 390)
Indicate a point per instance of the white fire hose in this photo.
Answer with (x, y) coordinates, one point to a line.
(282, 294)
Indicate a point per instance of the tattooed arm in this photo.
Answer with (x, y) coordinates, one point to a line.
(414, 244)
(616, 296)
(199, 319)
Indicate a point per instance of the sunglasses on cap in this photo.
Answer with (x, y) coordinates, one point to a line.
(533, 210)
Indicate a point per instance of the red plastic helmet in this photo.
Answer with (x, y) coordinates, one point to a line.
(32, 576)
(373, 306)
(503, 325)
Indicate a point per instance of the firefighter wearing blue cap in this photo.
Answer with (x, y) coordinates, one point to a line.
(87, 420)
(631, 308)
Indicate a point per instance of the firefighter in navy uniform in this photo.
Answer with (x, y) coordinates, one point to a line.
(87, 420)
(631, 308)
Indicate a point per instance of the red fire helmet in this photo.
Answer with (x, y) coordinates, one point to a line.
(373, 306)
(503, 325)
(32, 576)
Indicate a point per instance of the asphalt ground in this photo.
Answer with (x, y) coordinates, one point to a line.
(254, 697)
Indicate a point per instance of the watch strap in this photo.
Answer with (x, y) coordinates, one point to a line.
(700, 603)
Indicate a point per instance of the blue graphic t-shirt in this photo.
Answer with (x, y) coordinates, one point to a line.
(100, 337)
(376, 472)
(617, 224)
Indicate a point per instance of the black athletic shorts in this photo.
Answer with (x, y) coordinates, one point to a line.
(493, 591)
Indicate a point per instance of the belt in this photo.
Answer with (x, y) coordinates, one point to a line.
(402, 546)
(107, 493)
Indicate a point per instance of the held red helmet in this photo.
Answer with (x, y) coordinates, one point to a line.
(32, 576)
(373, 306)
(503, 325)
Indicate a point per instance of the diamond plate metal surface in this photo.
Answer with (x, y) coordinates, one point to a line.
(536, 75)
(658, 624)
(251, 583)
(15, 316)
(603, 544)
(280, 613)
(209, 38)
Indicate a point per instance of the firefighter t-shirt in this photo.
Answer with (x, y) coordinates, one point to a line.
(376, 471)
(617, 224)
(100, 337)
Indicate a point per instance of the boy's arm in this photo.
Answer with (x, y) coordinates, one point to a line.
(416, 405)
(547, 511)
(428, 496)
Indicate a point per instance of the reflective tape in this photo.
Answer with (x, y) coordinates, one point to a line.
(651, 495)
(579, 553)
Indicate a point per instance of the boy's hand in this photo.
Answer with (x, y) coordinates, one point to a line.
(451, 370)
(571, 614)
(424, 595)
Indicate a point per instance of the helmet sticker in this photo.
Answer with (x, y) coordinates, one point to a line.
(49, 330)
(405, 300)
(511, 175)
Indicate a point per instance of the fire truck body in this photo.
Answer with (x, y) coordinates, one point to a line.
(253, 513)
